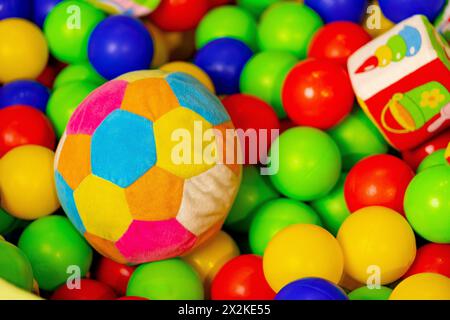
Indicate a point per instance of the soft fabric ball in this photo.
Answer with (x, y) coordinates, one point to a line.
(133, 172)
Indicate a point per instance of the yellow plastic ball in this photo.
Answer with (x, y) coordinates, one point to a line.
(375, 23)
(23, 50)
(209, 258)
(423, 286)
(161, 47)
(27, 184)
(192, 70)
(299, 251)
(378, 243)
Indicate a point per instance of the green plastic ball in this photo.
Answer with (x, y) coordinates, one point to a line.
(52, 245)
(357, 138)
(68, 27)
(288, 27)
(15, 266)
(263, 76)
(78, 72)
(332, 208)
(63, 102)
(171, 279)
(256, 7)
(255, 190)
(365, 293)
(309, 163)
(276, 215)
(230, 22)
(7, 222)
(434, 159)
(427, 204)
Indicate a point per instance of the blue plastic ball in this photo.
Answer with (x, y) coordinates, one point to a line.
(311, 289)
(398, 10)
(223, 60)
(120, 44)
(339, 10)
(24, 92)
(15, 9)
(41, 9)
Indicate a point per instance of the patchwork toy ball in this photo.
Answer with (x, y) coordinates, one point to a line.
(129, 168)
(137, 8)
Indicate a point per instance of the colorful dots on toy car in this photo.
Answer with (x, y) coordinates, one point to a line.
(257, 120)
(423, 286)
(288, 27)
(337, 41)
(21, 125)
(23, 50)
(299, 251)
(427, 204)
(275, 215)
(88, 290)
(118, 153)
(317, 93)
(137, 8)
(357, 138)
(27, 185)
(379, 180)
(223, 60)
(68, 27)
(263, 76)
(24, 92)
(398, 10)
(307, 163)
(171, 279)
(311, 289)
(181, 15)
(15, 9)
(431, 257)
(118, 45)
(255, 190)
(242, 278)
(113, 274)
(342, 10)
(53, 245)
(227, 22)
(15, 266)
(379, 242)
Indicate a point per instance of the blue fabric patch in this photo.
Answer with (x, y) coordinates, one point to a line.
(192, 95)
(65, 195)
(123, 148)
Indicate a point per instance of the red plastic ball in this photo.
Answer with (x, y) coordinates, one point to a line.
(218, 3)
(242, 278)
(337, 41)
(251, 113)
(317, 93)
(131, 298)
(415, 156)
(88, 290)
(379, 180)
(20, 125)
(114, 274)
(47, 76)
(432, 257)
(179, 15)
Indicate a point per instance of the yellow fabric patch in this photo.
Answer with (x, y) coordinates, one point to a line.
(150, 98)
(155, 196)
(143, 74)
(105, 247)
(179, 143)
(103, 208)
(74, 160)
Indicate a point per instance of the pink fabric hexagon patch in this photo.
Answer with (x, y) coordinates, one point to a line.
(96, 107)
(147, 241)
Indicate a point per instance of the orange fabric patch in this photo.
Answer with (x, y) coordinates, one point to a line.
(150, 98)
(155, 196)
(75, 159)
(230, 146)
(105, 247)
